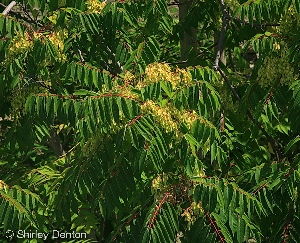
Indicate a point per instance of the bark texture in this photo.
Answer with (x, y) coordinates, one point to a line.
(189, 40)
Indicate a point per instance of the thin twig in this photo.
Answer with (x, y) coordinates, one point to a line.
(176, 63)
(81, 56)
(24, 8)
(215, 228)
(229, 84)
(231, 60)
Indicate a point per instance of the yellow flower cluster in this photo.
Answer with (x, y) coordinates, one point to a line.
(156, 72)
(57, 39)
(193, 212)
(161, 114)
(197, 209)
(170, 117)
(276, 69)
(186, 117)
(276, 46)
(24, 42)
(232, 4)
(189, 118)
(95, 6)
(128, 77)
(20, 44)
(126, 92)
(53, 18)
(157, 183)
(181, 77)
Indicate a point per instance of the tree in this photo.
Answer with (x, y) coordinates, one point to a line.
(102, 133)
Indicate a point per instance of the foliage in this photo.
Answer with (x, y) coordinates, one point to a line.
(104, 131)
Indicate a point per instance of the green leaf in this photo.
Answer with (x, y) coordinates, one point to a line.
(30, 103)
(223, 228)
(290, 144)
(192, 142)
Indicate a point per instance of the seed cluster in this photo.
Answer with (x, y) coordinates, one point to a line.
(19, 97)
(288, 22)
(225, 93)
(276, 69)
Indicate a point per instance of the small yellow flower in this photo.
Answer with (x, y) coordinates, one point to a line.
(56, 40)
(3, 185)
(95, 6)
(161, 114)
(20, 44)
(197, 209)
(53, 17)
(126, 92)
(157, 183)
(189, 118)
(276, 46)
(128, 77)
(156, 72)
(184, 76)
(232, 4)
(192, 212)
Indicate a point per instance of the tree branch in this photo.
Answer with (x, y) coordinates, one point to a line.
(216, 67)
(9, 7)
(257, 123)
(225, 21)
(25, 16)
(24, 8)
